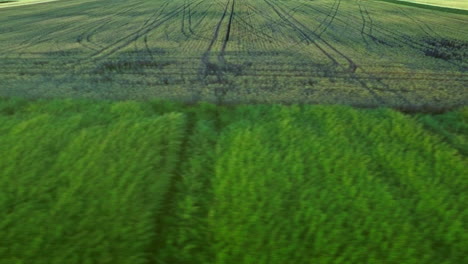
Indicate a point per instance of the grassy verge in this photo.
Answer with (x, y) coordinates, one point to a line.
(128, 182)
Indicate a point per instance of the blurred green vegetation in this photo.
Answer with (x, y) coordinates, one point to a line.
(82, 182)
(87, 181)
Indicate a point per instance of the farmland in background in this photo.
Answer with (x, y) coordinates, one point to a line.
(157, 182)
(366, 53)
(12, 3)
(462, 4)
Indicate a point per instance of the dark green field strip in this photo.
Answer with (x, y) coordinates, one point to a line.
(260, 90)
(174, 68)
(83, 182)
(429, 7)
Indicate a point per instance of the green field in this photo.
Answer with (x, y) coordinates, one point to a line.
(233, 131)
(157, 182)
(366, 53)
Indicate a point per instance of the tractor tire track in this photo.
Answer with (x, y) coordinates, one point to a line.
(352, 22)
(375, 82)
(301, 28)
(371, 26)
(195, 28)
(368, 26)
(187, 18)
(364, 22)
(272, 21)
(182, 26)
(190, 20)
(423, 26)
(388, 37)
(397, 37)
(221, 58)
(217, 69)
(47, 34)
(371, 22)
(304, 35)
(84, 38)
(221, 92)
(253, 30)
(334, 10)
(351, 65)
(132, 37)
(206, 65)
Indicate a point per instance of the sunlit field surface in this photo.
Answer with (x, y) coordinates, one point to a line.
(157, 182)
(462, 4)
(13, 3)
(367, 53)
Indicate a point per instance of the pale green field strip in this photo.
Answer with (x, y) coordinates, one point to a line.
(23, 2)
(161, 182)
(454, 9)
(458, 4)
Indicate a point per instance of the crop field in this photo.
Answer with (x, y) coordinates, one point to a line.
(93, 181)
(367, 53)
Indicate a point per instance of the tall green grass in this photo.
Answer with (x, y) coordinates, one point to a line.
(186, 235)
(327, 185)
(83, 187)
(160, 182)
